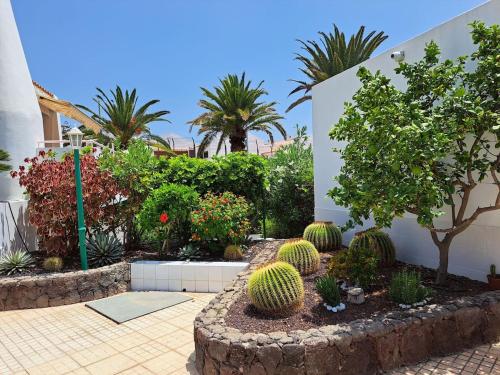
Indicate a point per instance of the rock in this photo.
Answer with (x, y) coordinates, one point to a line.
(269, 356)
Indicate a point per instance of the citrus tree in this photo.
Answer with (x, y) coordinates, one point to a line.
(424, 149)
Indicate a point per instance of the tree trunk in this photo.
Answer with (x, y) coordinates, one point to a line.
(237, 141)
(442, 271)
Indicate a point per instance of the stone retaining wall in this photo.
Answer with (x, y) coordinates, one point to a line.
(27, 292)
(365, 346)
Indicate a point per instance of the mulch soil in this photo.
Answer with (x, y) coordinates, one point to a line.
(244, 316)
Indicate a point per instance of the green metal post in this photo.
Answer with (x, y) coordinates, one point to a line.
(79, 208)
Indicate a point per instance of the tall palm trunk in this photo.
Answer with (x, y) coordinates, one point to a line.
(238, 140)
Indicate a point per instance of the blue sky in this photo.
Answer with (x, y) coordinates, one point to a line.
(167, 49)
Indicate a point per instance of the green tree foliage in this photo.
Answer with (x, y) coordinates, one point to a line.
(424, 149)
(332, 56)
(290, 199)
(232, 110)
(4, 156)
(121, 118)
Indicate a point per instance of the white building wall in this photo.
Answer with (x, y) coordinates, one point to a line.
(472, 251)
(20, 123)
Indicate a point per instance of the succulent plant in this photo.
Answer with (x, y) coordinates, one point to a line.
(377, 241)
(104, 249)
(233, 252)
(493, 270)
(324, 235)
(406, 288)
(301, 254)
(189, 251)
(276, 289)
(328, 289)
(53, 264)
(15, 261)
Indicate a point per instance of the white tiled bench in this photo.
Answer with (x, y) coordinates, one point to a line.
(178, 276)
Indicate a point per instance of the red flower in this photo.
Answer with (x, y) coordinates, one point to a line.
(164, 217)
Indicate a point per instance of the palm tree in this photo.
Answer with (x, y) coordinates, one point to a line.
(4, 156)
(232, 110)
(332, 56)
(121, 118)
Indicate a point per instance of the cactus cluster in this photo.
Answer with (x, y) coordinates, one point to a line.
(276, 288)
(53, 264)
(233, 252)
(324, 235)
(377, 241)
(301, 254)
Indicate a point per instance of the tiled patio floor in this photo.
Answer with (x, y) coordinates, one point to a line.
(76, 340)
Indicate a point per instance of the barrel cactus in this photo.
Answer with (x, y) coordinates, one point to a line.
(53, 264)
(233, 252)
(276, 289)
(301, 254)
(324, 235)
(378, 241)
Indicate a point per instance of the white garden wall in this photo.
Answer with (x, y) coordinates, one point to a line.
(474, 250)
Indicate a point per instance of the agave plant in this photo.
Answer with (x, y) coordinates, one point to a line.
(332, 56)
(15, 261)
(122, 119)
(104, 249)
(4, 156)
(232, 110)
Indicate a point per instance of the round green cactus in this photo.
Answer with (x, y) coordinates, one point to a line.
(377, 241)
(301, 254)
(233, 252)
(276, 289)
(324, 235)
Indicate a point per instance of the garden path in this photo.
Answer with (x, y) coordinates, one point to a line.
(76, 340)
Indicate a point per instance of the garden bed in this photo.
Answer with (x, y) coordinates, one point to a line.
(232, 338)
(63, 288)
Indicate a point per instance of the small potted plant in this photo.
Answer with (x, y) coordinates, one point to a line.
(493, 278)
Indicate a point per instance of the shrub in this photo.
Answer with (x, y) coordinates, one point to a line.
(291, 186)
(223, 218)
(276, 288)
(15, 261)
(233, 252)
(240, 173)
(377, 241)
(53, 264)
(406, 288)
(301, 254)
(325, 235)
(50, 185)
(328, 290)
(104, 249)
(166, 212)
(360, 266)
(132, 170)
(272, 228)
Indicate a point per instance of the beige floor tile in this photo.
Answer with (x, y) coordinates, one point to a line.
(87, 356)
(137, 370)
(111, 365)
(166, 363)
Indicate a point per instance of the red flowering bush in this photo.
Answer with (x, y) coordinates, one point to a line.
(50, 185)
(221, 217)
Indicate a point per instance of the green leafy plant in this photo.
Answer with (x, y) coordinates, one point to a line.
(104, 249)
(121, 117)
(276, 289)
(328, 289)
(53, 264)
(377, 241)
(332, 56)
(493, 270)
(222, 218)
(234, 109)
(15, 261)
(189, 251)
(167, 213)
(301, 254)
(324, 235)
(4, 156)
(406, 288)
(430, 147)
(233, 252)
(359, 266)
(290, 196)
